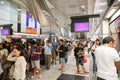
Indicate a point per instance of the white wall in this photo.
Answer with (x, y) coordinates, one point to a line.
(8, 14)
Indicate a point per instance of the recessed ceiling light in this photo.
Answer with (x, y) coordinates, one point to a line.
(82, 7)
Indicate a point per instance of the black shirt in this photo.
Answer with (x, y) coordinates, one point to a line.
(76, 51)
(62, 54)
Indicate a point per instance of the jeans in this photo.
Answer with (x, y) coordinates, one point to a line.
(66, 58)
(94, 63)
(98, 78)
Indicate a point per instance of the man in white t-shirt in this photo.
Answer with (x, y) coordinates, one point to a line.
(107, 60)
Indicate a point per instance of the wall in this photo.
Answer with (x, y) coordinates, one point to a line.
(8, 14)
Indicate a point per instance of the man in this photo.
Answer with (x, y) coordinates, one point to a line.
(35, 59)
(48, 54)
(61, 50)
(107, 60)
(66, 51)
(79, 55)
(54, 47)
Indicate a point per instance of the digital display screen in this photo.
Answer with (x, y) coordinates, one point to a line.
(81, 26)
(4, 32)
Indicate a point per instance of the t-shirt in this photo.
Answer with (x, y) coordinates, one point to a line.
(76, 50)
(35, 56)
(62, 54)
(105, 60)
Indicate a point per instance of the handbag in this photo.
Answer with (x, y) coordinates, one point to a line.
(84, 60)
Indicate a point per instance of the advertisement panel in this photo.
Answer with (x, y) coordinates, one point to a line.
(31, 23)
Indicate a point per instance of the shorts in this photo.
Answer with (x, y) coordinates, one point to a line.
(62, 61)
(35, 64)
(79, 61)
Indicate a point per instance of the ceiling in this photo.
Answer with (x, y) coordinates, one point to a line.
(58, 12)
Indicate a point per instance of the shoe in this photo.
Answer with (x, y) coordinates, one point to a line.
(86, 72)
(33, 77)
(40, 76)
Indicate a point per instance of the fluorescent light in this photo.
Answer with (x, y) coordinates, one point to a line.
(19, 9)
(101, 4)
(110, 13)
(101, 10)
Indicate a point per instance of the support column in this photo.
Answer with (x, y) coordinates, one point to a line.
(105, 28)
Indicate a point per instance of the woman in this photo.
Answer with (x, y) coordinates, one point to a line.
(3, 57)
(20, 63)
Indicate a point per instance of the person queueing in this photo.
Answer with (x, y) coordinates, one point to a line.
(61, 50)
(97, 44)
(35, 59)
(107, 59)
(79, 55)
(48, 53)
(20, 63)
(54, 47)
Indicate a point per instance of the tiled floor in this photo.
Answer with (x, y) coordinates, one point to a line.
(54, 73)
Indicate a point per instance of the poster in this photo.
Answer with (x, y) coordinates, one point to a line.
(31, 23)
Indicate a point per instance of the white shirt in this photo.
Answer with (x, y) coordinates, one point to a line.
(48, 49)
(20, 67)
(105, 59)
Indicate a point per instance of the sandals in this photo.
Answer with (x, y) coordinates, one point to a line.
(40, 76)
(32, 77)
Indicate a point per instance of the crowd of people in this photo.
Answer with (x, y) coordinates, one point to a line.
(17, 58)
